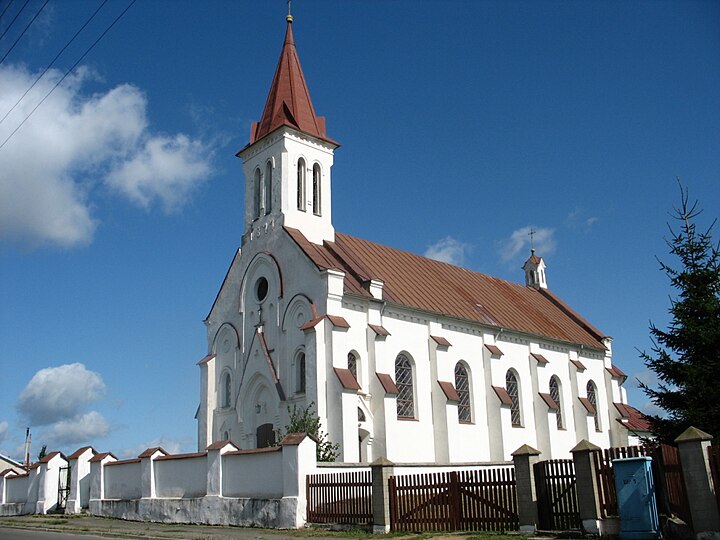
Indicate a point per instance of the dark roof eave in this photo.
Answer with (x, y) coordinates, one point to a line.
(326, 140)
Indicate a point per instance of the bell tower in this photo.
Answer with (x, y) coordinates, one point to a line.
(288, 159)
(535, 271)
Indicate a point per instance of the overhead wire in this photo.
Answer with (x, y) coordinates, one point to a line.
(10, 3)
(24, 30)
(53, 61)
(14, 19)
(67, 73)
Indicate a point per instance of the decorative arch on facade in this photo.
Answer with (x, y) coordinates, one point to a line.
(300, 310)
(225, 328)
(262, 265)
(592, 397)
(301, 184)
(512, 386)
(259, 406)
(556, 395)
(317, 189)
(463, 386)
(405, 382)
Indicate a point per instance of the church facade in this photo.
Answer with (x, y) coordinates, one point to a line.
(401, 356)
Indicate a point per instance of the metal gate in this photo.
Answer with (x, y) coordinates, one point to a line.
(63, 488)
(556, 488)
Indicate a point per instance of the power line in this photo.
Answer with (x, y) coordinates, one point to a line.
(10, 3)
(53, 62)
(14, 18)
(67, 73)
(24, 30)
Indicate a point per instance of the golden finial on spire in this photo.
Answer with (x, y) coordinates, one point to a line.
(289, 17)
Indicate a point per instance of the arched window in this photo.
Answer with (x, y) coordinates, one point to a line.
(317, 209)
(592, 398)
(300, 373)
(352, 364)
(555, 394)
(226, 391)
(257, 184)
(404, 383)
(301, 198)
(268, 187)
(513, 390)
(462, 385)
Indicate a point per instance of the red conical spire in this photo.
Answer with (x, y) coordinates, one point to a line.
(288, 102)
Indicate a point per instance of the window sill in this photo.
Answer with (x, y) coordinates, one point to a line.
(406, 419)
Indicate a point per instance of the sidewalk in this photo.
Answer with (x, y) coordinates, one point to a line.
(117, 528)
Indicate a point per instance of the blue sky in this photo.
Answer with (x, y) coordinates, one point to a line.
(462, 124)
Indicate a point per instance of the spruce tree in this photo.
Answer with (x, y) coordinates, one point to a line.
(686, 356)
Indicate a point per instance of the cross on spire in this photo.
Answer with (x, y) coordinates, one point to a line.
(289, 17)
(531, 234)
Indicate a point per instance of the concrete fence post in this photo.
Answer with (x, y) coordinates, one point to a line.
(79, 496)
(3, 486)
(382, 469)
(214, 486)
(524, 459)
(693, 446)
(587, 488)
(299, 458)
(97, 481)
(147, 471)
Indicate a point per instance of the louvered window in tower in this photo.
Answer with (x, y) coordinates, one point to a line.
(301, 170)
(268, 187)
(317, 190)
(462, 386)
(511, 386)
(404, 383)
(257, 186)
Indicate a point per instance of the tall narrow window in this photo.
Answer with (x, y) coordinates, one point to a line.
(511, 385)
(300, 367)
(227, 390)
(257, 184)
(301, 197)
(352, 364)
(317, 191)
(462, 385)
(592, 398)
(268, 187)
(404, 383)
(555, 394)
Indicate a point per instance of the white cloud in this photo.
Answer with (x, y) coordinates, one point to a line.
(81, 429)
(579, 218)
(543, 241)
(3, 431)
(448, 250)
(57, 394)
(166, 169)
(51, 165)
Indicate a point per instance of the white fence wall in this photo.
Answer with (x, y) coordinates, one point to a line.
(17, 489)
(122, 480)
(184, 477)
(253, 475)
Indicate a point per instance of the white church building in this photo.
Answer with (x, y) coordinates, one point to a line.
(403, 357)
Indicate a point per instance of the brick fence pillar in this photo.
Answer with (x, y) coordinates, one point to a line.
(693, 446)
(587, 487)
(382, 470)
(524, 459)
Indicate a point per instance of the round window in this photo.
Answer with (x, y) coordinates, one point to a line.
(261, 289)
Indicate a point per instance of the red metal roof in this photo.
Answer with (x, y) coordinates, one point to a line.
(495, 351)
(387, 383)
(288, 102)
(539, 358)
(379, 330)
(440, 288)
(502, 393)
(346, 378)
(551, 403)
(632, 418)
(441, 341)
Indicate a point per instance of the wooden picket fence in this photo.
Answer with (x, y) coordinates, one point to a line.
(340, 498)
(478, 500)
(606, 477)
(674, 499)
(556, 488)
